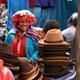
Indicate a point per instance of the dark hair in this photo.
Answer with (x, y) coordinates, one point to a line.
(51, 24)
(73, 19)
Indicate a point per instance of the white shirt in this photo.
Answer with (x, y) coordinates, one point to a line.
(69, 34)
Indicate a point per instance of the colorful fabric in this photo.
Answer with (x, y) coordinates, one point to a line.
(31, 3)
(19, 45)
(3, 1)
(37, 3)
(31, 47)
(45, 3)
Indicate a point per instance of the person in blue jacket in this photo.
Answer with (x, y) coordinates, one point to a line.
(23, 38)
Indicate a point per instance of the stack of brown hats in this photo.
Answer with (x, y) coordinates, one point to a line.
(54, 53)
(21, 68)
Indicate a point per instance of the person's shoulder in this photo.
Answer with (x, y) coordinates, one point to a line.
(69, 30)
(12, 31)
(33, 32)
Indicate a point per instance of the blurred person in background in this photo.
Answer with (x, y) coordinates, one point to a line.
(5, 73)
(3, 31)
(70, 33)
(49, 24)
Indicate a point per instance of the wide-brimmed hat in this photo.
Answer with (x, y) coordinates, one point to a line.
(18, 65)
(24, 14)
(30, 71)
(53, 36)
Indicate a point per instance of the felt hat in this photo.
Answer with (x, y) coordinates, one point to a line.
(53, 37)
(29, 72)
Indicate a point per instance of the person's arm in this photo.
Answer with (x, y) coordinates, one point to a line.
(10, 37)
(32, 50)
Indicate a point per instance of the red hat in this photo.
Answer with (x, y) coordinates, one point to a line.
(24, 14)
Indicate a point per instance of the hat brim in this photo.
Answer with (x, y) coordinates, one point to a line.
(42, 42)
(31, 74)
